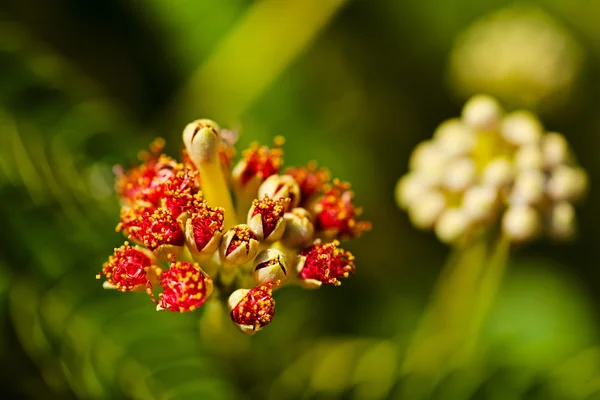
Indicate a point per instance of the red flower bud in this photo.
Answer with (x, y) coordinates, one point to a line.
(185, 287)
(126, 269)
(252, 310)
(325, 264)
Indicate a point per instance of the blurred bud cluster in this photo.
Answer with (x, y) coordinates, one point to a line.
(202, 230)
(488, 168)
(522, 56)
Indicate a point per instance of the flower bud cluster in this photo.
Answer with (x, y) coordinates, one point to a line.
(208, 230)
(490, 167)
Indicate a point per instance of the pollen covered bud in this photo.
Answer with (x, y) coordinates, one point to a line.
(252, 309)
(185, 287)
(204, 229)
(335, 213)
(280, 187)
(127, 269)
(160, 232)
(310, 179)
(299, 228)
(239, 245)
(270, 265)
(257, 164)
(324, 264)
(265, 218)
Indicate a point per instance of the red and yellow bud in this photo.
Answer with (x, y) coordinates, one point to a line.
(127, 269)
(324, 264)
(257, 164)
(252, 310)
(204, 229)
(335, 213)
(185, 287)
(311, 179)
(160, 232)
(265, 218)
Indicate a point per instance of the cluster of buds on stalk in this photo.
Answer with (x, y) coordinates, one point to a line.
(490, 168)
(200, 230)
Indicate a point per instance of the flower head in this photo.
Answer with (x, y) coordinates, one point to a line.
(178, 213)
(492, 169)
(185, 287)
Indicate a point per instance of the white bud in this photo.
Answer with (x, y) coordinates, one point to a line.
(567, 183)
(410, 188)
(562, 220)
(454, 138)
(482, 113)
(521, 223)
(529, 157)
(460, 174)
(270, 265)
(499, 173)
(555, 149)
(452, 225)
(425, 212)
(479, 202)
(428, 159)
(529, 188)
(521, 128)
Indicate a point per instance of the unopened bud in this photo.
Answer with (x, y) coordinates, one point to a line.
(454, 138)
(567, 183)
(299, 228)
(410, 188)
(480, 202)
(521, 223)
(521, 128)
(562, 222)
(428, 158)
(201, 139)
(529, 188)
(460, 174)
(452, 225)
(424, 213)
(498, 173)
(239, 245)
(482, 113)
(529, 157)
(555, 149)
(270, 266)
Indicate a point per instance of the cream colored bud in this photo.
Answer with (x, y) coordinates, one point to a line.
(499, 173)
(555, 149)
(529, 188)
(239, 245)
(299, 228)
(279, 187)
(270, 266)
(410, 188)
(454, 138)
(428, 158)
(521, 223)
(460, 174)
(424, 213)
(567, 183)
(482, 113)
(452, 225)
(529, 157)
(265, 218)
(480, 202)
(201, 139)
(562, 223)
(521, 128)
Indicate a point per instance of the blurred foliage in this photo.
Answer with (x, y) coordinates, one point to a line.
(355, 85)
